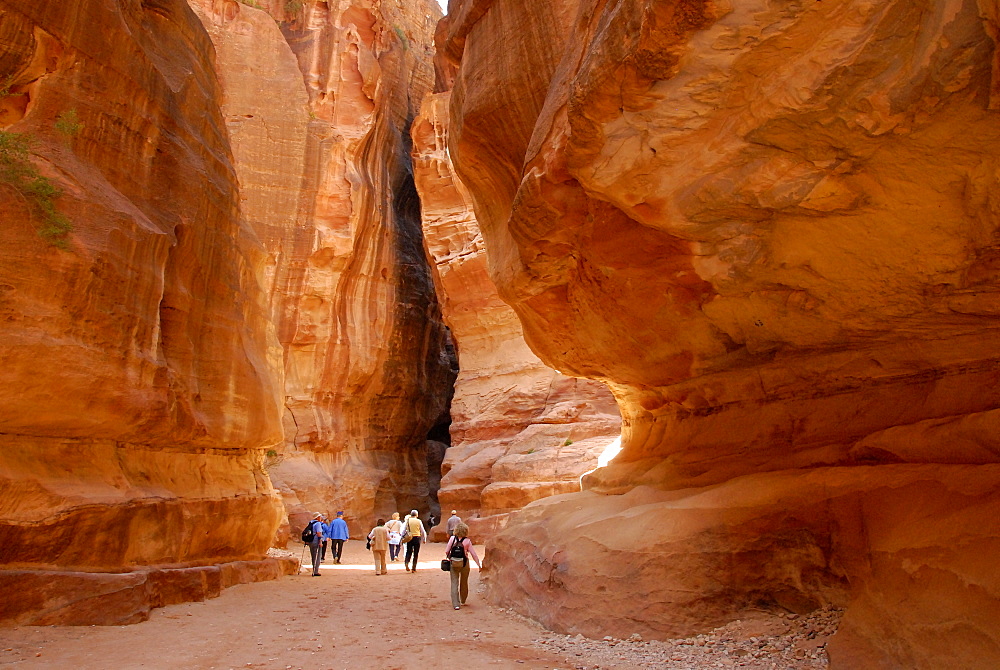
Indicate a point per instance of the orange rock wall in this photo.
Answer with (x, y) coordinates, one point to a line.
(318, 102)
(520, 430)
(770, 228)
(244, 288)
(139, 360)
(138, 377)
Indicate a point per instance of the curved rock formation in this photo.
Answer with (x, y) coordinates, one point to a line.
(771, 228)
(138, 377)
(520, 430)
(318, 101)
(205, 297)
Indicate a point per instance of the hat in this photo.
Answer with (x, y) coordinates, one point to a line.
(341, 513)
(318, 515)
(454, 512)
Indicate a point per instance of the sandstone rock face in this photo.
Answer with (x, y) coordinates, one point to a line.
(520, 431)
(140, 372)
(318, 100)
(772, 229)
(216, 315)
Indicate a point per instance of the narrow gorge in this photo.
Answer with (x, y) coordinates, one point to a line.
(691, 308)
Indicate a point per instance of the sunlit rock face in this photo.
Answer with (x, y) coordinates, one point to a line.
(772, 228)
(318, 101)
(140, 377)
(520, 430)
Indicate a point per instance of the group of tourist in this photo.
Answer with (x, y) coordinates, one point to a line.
(324, 531)
(389, 537)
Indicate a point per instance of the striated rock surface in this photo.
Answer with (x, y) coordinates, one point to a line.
(318, 101)
(772, 229)
(520, 430)
(140, 375)
(243, 290)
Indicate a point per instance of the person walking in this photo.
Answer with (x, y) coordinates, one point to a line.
(415, 528)
(325, 519)
(379, 537)
(338, 535)
(317, 541)
(453, 521)
(395, 528)
(458, 551)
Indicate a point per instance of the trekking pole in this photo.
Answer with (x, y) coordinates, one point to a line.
(302, 558)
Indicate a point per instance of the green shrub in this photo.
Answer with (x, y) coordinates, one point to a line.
(68, 123)
(252, 3)
(18, 173)
(271, 460)
(292, 6)
(567, 442)
(402, 37)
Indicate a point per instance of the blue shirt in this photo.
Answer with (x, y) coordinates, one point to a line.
(318, 530)
(338, 529)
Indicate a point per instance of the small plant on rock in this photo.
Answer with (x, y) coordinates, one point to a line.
(271, 459)
(402, 37)
(567, 442)
(68, 123)
(20, 175)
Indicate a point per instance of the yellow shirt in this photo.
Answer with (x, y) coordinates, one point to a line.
(413, 523)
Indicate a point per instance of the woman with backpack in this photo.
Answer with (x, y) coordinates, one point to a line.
(458, 551)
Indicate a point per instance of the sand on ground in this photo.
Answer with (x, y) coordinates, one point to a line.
(351, 618)
(346, 618)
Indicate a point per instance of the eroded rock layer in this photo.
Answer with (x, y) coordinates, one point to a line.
(243, 292)
(520, 430)
(772, 229)
(138, 385)
(318, 101)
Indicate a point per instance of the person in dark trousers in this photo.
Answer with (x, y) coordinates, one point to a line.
(458, 551)
(338, 535)
(395, 528)
(415, 527)
(317, 542)
(326, 535)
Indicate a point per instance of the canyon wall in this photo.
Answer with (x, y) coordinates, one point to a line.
(140, 379)
(520, 430)
(772, 228)
(217, 278)
(318, 98)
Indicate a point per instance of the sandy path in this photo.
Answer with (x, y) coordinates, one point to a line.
(347, 618)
